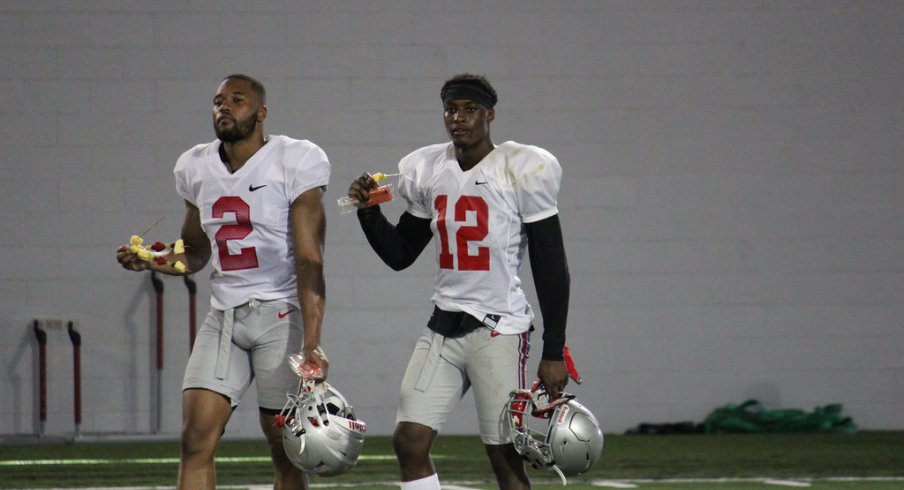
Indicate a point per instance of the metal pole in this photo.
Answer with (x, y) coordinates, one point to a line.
(76, 339)
(41, 334)
(158, 288)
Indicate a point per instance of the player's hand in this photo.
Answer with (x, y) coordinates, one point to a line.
(130, 261)
(315, 364)
(554, 376)
(360, 189)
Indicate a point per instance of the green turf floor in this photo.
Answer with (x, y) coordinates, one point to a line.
(649, 462)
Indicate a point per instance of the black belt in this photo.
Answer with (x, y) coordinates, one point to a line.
(452, 324)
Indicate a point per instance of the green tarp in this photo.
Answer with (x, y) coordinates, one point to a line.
(752, 417)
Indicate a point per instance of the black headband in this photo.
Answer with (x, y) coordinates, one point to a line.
(467, 89)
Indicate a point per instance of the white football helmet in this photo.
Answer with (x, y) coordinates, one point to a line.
(321, 434)
(571, 441)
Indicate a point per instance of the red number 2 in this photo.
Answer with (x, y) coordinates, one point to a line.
(247, 257)
(465, 234)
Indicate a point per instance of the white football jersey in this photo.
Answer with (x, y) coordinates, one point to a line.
(477, 218)
(246, 215)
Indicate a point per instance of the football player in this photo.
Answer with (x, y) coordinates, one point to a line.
(483, 204)
(254, 210)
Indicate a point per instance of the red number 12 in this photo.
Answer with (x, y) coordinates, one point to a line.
(465, 234)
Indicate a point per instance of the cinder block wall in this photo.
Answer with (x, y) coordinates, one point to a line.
(732, 194)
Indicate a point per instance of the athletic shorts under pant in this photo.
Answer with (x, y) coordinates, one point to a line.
(442, 369)
(263, 335)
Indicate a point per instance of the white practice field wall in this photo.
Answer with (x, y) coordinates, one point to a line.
(732, 198)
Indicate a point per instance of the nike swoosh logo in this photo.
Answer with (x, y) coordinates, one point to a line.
(282, 314)
(251, 188)
(477, 182)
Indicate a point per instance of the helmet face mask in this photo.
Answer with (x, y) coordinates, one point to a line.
(569, 443)
(321, 433)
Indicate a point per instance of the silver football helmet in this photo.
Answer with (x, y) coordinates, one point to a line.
(321, 434)
(571, 441)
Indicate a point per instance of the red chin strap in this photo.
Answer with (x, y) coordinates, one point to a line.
(569, 364)
(541, 405)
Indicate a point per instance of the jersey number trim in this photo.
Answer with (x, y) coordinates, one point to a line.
(247, 256)
(465, 234)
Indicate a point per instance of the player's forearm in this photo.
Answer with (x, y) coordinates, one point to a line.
(312, 296)
(553, 282)
(398, 246)
(308, 231)
(552, 294)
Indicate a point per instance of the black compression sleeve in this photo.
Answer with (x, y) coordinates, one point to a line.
(552, 281)
(400, 245)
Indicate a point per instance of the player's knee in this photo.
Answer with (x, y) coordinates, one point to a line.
(197, 442)
(412, 441)
(200, 439)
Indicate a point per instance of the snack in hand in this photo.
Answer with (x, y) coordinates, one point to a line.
(158, 252)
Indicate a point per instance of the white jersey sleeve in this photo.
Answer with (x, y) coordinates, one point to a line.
(536, 176)
(187, 182)
(417, 170)
(308, 167)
